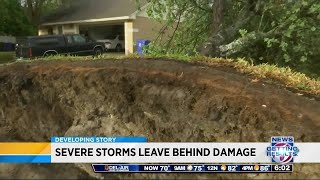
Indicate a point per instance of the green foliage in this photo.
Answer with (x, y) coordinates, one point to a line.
(192, 25)
(13, 20)
(285, 33)
(49, 6)
(294, 38)
(18, 19)
(243, 32)
(154, 49)
(295, 28)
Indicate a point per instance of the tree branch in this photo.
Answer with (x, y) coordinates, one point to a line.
(194, 2)
(162, 30)
(175, 30)
(217, 39)
(239, 44)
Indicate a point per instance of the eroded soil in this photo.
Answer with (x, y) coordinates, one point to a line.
(162, 100)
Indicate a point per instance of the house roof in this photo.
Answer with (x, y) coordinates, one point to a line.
(84, 10)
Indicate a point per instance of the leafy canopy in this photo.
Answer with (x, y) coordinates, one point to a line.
(284, 32)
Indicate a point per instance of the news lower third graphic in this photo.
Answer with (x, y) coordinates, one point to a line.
(135, 154)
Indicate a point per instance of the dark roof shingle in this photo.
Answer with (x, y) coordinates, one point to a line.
(93, 9)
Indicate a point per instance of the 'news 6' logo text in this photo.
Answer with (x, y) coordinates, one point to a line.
(282, 149)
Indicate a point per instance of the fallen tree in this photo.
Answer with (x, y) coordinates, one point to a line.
(282, 32)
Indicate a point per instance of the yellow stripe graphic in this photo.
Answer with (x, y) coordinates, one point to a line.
(25, 148)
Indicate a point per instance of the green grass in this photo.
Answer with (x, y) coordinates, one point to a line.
(285, 75)
(7, 57)
(270, 73)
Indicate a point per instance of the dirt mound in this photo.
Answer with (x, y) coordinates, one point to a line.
(162, 100)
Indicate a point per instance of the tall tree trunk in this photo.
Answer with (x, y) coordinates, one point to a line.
(217, 15)
(34, 8)
(215, 38)
(219, 35)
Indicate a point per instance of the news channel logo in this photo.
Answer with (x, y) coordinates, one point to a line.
(107, 168)
(282, 149)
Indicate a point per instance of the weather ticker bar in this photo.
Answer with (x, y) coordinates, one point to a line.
(192, 168)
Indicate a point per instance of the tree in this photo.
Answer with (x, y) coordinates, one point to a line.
(13, 20)
(36, 9)
(21, 17)
(284, 32)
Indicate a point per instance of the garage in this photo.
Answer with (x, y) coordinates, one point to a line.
(103, 20)
(112, 35)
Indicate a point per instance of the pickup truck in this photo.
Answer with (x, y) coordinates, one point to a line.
(42, 46)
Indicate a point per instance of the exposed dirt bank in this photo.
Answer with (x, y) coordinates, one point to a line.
(163, 100)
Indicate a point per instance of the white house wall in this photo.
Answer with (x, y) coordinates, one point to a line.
(128, 36)
(70, 29)
(42, 31)
(149, 29)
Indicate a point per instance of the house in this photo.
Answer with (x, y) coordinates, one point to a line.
(100, 18)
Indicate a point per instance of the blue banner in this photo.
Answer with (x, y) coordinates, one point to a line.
(107, 139)
(193, 168)
(25, 158)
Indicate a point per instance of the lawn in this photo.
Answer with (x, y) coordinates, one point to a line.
(6, 57)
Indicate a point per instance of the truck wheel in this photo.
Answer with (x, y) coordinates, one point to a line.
(98, 51)
(118, 48)
(47, 54)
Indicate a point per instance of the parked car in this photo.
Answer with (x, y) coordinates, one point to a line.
(41, 46)
(113, 42)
